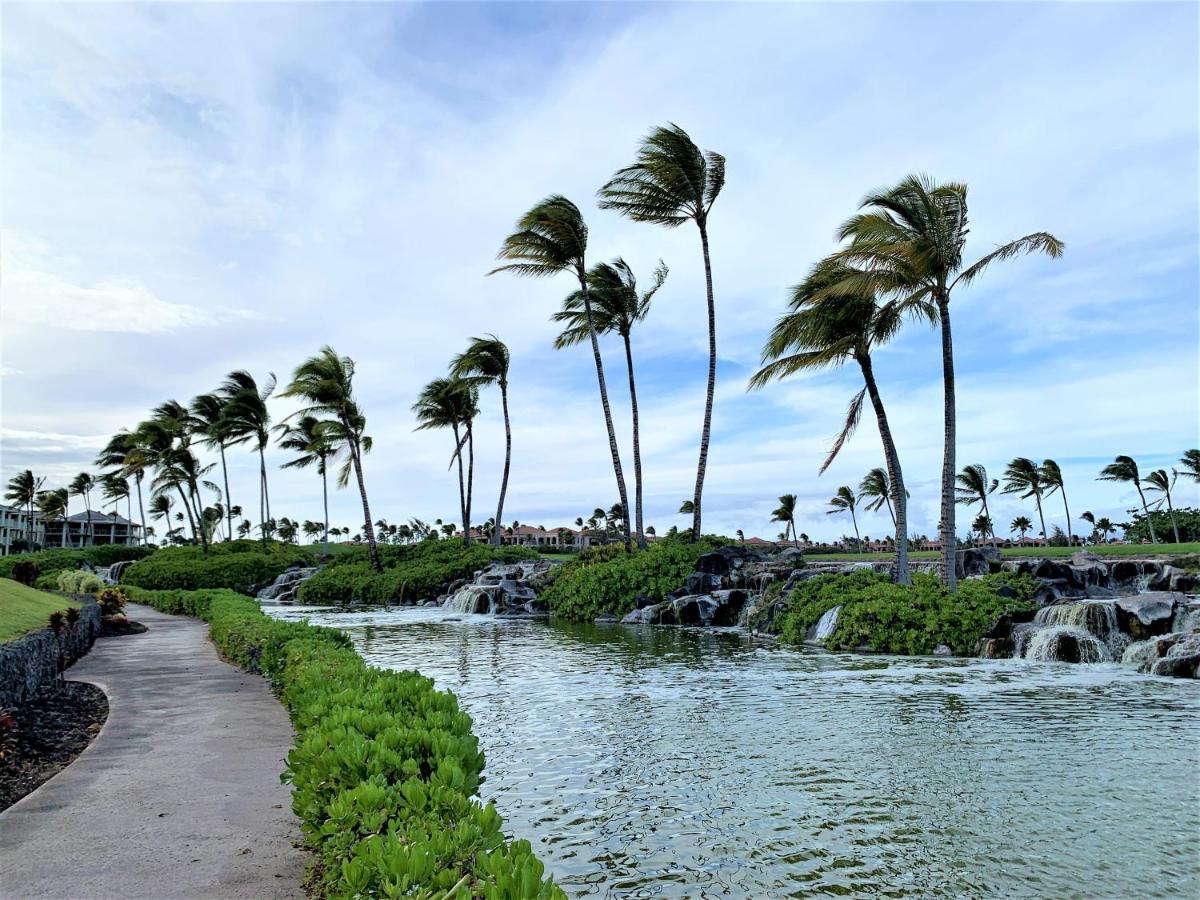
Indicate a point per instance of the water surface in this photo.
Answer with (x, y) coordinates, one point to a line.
(660, 762)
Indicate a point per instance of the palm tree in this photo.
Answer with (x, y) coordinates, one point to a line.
(982, 525)
(910, 241)
(160, 507)
(786, 512)
(845, 500)
(82, 486)
(244, 528)
(1191, 464)
(486, 361)
(1125, 468)
(212, 422)
(616, 307)
(1158, 480)
(179, 469)
(126, 452)
(326, 383)
(248, 419)
(877, 485)
(450, 403)
(1105, 527)
(22, 490)
(1020, 524)
(114, 488)
(687, 507)
(310, 437)
(832, 321)
(52, 504)
(552, 238)
(973, 486)
(1090, 518)
(1025, 477)
(1052, 478)
(673, 181)
(741, 536)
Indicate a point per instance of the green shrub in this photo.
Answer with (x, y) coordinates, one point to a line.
(79, 581)
(384, 767)
(883, 617)
(26, 572)
(51, 562)
(411, 573)
(243, 566)
(607, 579)
(112, 602)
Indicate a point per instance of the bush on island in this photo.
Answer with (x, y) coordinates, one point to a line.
(51, 562)
(243, 566)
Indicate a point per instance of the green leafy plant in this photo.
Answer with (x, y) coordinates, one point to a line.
(79, 581)
(112, 602)
(241, 566)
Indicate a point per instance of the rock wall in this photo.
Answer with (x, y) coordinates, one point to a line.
(30, 664)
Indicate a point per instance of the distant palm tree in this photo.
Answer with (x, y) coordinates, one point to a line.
(1125, 468)
(741, 536)
(973, 486)
(115, 488)
(1052, 476)
(1090, 518)
(552, 238)
(127, 452)
(1105, 527)
(1158, 480)
(326, 383)
(244, 528)
(877, 485)
(160, 507)
(312, 439)
(1025, 477)
(450, 403)
(834, 319)
(182, 471)
(910, 241)
(248, 419)
(22, 490)
(287, 530)
(1191, 464)
(1020, 524)
(213, 424)
(82, 486)
(686, 508)
(845, 501)
(486, 361)
(616, 307)
(982, 526)
(786, 512)
(52, 504)
(672, 182)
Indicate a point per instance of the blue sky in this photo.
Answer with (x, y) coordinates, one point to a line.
(190, 189)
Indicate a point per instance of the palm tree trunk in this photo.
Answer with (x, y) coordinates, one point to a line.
(854, 522)
(462, 486)
(1146, 510)
(1067, 510)
(988, 515)
(1037, 498)
(228, 499)
(266, 497)
(87, 499)
(496, 539)
(137, 480)
(368, 528)
(706, 430)
(470, 479)
(795, 534)
(188, 508)
(898, 503)
(608, 421)
(325, 500)
(637, 447)
(1171, 510)
(946, 525)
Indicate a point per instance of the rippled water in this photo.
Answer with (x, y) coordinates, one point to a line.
(686, 763)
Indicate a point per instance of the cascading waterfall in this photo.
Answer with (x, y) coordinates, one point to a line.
(284, 588)
(1072, 632)
(473, 598)
(825, 625)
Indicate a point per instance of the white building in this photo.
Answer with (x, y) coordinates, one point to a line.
(14, 526)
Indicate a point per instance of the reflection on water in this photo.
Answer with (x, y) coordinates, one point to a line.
(684, 763)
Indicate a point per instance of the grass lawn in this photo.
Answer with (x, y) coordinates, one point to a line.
(1019, 552)
(23, 609)
(561, 557)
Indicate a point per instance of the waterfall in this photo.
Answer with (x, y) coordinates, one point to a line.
(824, 627)
(1140, 656)
(1187, 618)
(284, 588)
(473, 598)
(1067, 643)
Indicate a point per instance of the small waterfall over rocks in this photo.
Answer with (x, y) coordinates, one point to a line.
(283, 590)
(500, 589)
(112, 574)
(824, 626)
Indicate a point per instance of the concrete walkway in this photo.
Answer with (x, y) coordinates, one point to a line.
(178, 797)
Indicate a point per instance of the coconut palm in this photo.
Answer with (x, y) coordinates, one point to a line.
(1159, 481)
(1052, 477)
(127, 453)
(1125, 468)
(23, 490)
(686, 508)
(311, 438)
(1025, 477)
(486, 361)
(326, 383)
(830, 322)
(910, 240)
(114, 488)
(181, 471)
(974, 486)
(1190, 461)
(1105, 527)
(786, 513)
(552, 238)
(248, 419)
(616, 307)
(845, 501)
(672, 182)
(82, 486)
(450, 403)
(1090, 518)
(878, 486)
(212, 423)
(52, 504)
(160, 507)
(1020, 525)
(982, 526)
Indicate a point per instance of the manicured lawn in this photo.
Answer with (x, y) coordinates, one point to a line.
(23, 609)
(561, 557)
(1018, 552)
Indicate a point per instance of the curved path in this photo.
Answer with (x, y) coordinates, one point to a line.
(178, 797)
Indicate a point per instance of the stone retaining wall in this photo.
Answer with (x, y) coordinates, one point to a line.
(30, 664)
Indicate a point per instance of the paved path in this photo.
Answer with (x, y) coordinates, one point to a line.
(178, 797)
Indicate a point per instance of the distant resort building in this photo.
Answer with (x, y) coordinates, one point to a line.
(105, 528)
(14, 529)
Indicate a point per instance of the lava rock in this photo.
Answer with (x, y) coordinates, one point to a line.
(701, 583)
(1147, 615)
(994, 648)
(975, 561)
(713, 564)
(1182, 659)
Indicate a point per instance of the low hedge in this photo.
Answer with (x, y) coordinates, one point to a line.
(913, 620)
(51, 562)
(384, 769)
(416, 572)
(243, 566)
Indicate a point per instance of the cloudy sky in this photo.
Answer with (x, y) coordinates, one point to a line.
(194, 189)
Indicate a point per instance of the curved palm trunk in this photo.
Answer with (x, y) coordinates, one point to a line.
(1037, 498)
(988, 515)
(368, 528)
(608, 421)
(795, 534)
(637, 448)
(266, 497)
(325, 503)
(470, 479)
(946, 525)
(857, 536)
(137, 480)
(228, 499)
(462, 486)
(1146, 511)
(1171, 510)
(496, 529)
(891, 511)
(898, 503)
(187, 506)
(1067, 511)
(87, 499)
(706, 431)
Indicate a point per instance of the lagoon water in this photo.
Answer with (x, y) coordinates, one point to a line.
(661, 762)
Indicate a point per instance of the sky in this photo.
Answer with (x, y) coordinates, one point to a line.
(192, 189)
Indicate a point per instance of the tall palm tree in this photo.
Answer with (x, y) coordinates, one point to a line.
(486, 361)
(910, 240)
(326, 383)
(212, 423)
(127, 453)
(845, 501)
(1020, 524)
(179, 469)
(1025, 477)
(878, 486)
(974, 486)
(673, 181)
(248, 419)
(616, 307)
(1052, 477)
(1158, 480)
(549, 239)
(1089, 517)
(311, 438)
(1125, 468)
(114, 487)
(52, 504)
(160, 507)
(786, 512)
(982, 525)
(82, 486)
(1190, 461)
(450, 403)
(835, 316)
(22, 490)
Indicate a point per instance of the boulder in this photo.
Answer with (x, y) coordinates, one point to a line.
(728, 609)
(1147, 615)
(641, 601)
(713, 564)
(1053, 570)
(1084, 558)
(942, 650)
(1182, 659)
(1184, 582)
(701, 583)
(974, 561)
(994, 648)
(1125, 571)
